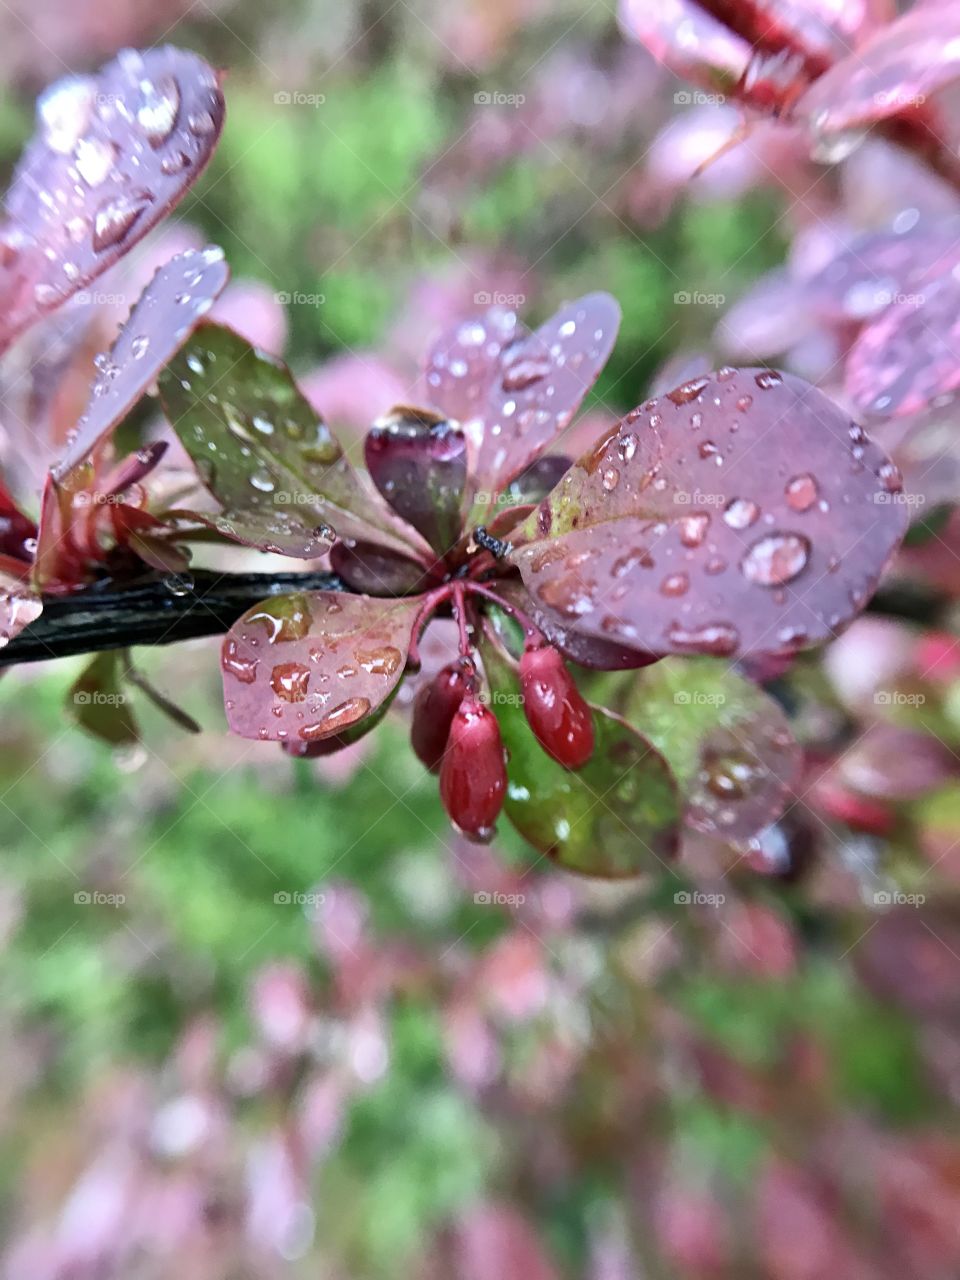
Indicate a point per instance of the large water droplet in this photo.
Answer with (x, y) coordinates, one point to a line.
(693, 529)
(688, 391)
(717, 638)
(158, 107)
(94, 159)
(65, 111)
(289, 681)
(776, 559)
(740, 513)
(802, 492)
(115, 217)
(524, 373)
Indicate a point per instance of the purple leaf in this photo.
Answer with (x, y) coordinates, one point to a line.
(418, 461)
(98, 704)
(168, 311)
(378, 571)
(463, 364)
(729, 744)
(113, 154)
(539, 385)
(740, 513)
(307, 666)
(689, 41)
(907, 358)
(895, 70)
(280, 531)
(259, 446)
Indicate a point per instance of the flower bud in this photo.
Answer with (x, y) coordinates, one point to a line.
(434, 707)
(555, 709)
(473, 776)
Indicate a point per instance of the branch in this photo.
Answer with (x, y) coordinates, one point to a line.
(110, 615)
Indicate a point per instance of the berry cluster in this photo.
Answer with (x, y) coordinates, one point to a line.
(455, 733)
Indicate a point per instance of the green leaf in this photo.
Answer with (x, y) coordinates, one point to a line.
(617, 816)
(259, 445)
(97, 701)
(729, 744)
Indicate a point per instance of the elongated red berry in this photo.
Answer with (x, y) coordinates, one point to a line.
(554, 706)
(434, 707)
(473, 776)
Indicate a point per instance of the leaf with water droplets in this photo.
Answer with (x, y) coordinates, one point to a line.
(463, 363)
(112, 155)
(378, 571)
(165, 315)
(540, 383)
(739, 513)
(617, 816)
(906, 359)
(97, 702)
(895, 70)
(259, 446)
(729, 744)
(418, 461)
(282, 532)
(307, 666)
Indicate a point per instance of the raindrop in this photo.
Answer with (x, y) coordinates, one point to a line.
(65, 111)
(802, 492)
(115, 217)
(767, 379)
(688, 391)
(158, 107)
(776, 559)
(201, 123)
(178, 584)
(175, 162)
(139, 346)
(524, 373)
(242, 668)
(610, 479)
(94, 159)
(693, 529)
(676, 584)
(740, 513)
(717, 638)
(289, 681)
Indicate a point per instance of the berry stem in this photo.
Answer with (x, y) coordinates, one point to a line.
(532, 634)
(431, 602)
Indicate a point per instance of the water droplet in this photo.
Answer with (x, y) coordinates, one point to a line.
(157, 109)
(115, 217)
(627, 447)
(740, 513)
(201, 123)
(802, 492)
(676, 584)
(744, 403)
(286, 617)
(524, 372)
(688, 391)
(717, 638)
(767, 379)
(693, 529)
(175, 162)
(178, 584)
(289, 681)
(776, 559)
(610, 479)
(139, 346)
(94, 159)
(65, 111)
(263, 481)
(383, 661)
(335, 721)
(242, 668)
(890, 477)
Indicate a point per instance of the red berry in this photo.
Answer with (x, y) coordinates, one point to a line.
(554, 706)
(434, 707)
(473, 776)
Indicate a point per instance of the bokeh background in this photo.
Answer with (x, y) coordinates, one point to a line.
(263, 1017)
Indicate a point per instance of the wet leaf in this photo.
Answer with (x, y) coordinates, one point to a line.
(98, 703)
(617, 816)
(168, 311)
(740, 513)
(906, 358)
(464, 362)
(282, 531)
(729, 744)
(112, 155)
(895, 70)
(689, 41)
(307, 666)
(539, 385)
(377, 571)
(418, 461)
(257, 443)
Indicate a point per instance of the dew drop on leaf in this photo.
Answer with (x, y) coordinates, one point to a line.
(776, 559)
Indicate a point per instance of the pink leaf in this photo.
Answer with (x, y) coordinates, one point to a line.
(168, 311)
(307, 666)
(114, 153)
